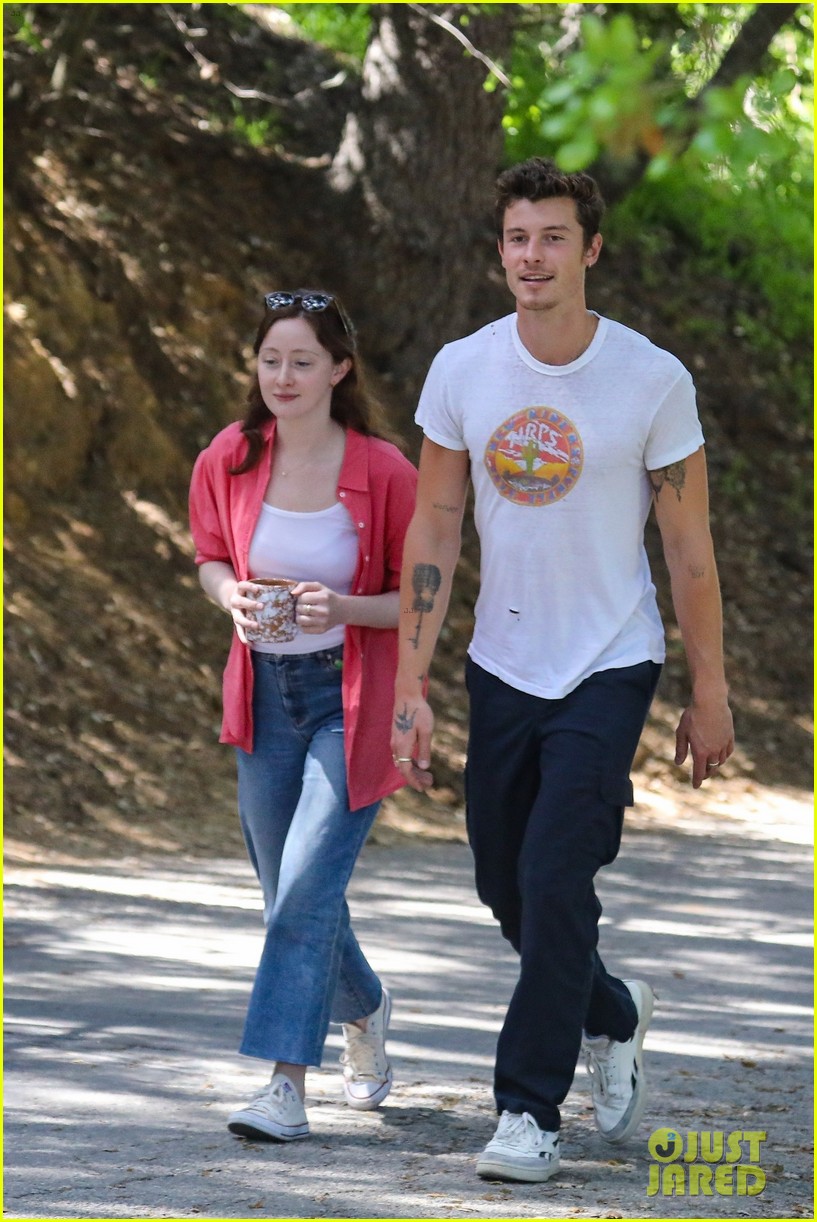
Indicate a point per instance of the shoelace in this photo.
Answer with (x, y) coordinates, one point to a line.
(601, 1065)
(362, 1054)
(269, 1091)
(523, 1128)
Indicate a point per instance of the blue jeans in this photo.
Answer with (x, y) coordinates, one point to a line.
(546, 786)
(303, 842)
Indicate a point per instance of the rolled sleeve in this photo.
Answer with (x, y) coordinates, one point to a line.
(204, 516)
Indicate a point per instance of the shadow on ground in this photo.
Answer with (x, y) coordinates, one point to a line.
(126, 985)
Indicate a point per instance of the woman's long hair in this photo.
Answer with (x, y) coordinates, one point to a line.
(352, 405)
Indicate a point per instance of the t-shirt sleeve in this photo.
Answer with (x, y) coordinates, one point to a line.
(676, 431)
(437, 415)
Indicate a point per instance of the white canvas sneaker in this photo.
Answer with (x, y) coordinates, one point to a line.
(275, 1113)
(617, 1081)
(367, 1075)
(520, 1150)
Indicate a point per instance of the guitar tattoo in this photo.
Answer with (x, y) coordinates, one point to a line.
(425, 581)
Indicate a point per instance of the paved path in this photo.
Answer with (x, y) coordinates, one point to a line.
(125, 991)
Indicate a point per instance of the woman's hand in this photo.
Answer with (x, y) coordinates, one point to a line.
(317, 607)
(240, 603)
(237, 598)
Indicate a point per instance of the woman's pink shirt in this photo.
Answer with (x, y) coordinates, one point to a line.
(377, 485)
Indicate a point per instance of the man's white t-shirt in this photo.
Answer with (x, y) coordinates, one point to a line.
(559, 460)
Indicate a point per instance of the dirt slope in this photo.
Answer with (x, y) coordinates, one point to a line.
(140, 233)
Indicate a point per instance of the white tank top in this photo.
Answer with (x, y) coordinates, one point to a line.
(318, 546)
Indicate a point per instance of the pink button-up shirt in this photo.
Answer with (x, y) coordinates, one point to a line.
(377, 485)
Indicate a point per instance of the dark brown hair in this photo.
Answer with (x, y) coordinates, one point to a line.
(537, 179)
(352, 404)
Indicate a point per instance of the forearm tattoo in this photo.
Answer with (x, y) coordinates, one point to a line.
(425, 581)
(405, 720)
(675, 475)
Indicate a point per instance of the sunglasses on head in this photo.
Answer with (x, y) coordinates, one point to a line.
(313, 303)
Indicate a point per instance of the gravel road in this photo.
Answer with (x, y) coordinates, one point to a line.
(126, 984)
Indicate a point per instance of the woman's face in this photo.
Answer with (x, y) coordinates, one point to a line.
(296, 373)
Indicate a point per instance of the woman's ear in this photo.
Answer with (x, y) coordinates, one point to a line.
(340, 371)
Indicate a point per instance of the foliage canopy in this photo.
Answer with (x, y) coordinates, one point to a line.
(639, 83)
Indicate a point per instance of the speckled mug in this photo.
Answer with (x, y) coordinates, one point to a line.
(276, 619)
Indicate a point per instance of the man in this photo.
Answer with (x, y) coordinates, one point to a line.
(570, 426)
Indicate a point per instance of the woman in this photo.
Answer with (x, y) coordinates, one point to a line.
(305, 488)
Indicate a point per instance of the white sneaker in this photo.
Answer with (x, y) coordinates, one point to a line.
(520, 1150)
(274, 1114)
(367, 1075)
(617, 1081)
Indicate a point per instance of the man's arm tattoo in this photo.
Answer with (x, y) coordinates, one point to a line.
(425, 581)
(675, 475)
(446, 508)
(405, 720)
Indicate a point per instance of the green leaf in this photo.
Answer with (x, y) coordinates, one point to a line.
(577, 153)
(594, 36)
(603, 106)
(560, 92)
(622, 41)
(558, 127)
(782, 82)
(660, 166)
(712, 141)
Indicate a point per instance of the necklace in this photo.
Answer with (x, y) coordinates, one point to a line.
(299, 466)
(322, 452)
(311, 460)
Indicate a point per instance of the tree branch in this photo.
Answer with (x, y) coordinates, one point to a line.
(489, 63)
(751, 44)
(744, 57)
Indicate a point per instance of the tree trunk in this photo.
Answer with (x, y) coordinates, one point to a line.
(414, 174)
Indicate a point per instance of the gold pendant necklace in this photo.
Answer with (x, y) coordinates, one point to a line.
(296, 468)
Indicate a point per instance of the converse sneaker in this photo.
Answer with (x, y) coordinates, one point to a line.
(519, 1150)
(274, 1114)
(367, 1075)
(617, 1081)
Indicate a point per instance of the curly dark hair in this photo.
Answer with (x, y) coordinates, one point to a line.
(352, 404)
(537, 179)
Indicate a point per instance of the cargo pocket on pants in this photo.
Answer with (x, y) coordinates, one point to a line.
(616, 791)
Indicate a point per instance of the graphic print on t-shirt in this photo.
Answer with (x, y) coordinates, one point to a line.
(535, 457)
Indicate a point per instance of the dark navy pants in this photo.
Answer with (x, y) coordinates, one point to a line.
(547, 782)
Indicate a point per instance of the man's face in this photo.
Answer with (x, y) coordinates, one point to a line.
(544, 255)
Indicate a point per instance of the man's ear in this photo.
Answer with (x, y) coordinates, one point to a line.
(593, 250)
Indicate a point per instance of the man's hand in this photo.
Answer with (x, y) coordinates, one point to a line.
(706, 730)
(412, 728)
